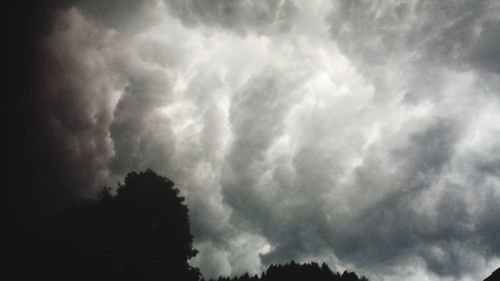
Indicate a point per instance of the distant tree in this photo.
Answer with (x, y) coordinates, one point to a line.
(141, 233)
(300, 272)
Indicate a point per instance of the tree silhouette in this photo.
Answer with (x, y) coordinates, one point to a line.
(142, 233)
(298, 272)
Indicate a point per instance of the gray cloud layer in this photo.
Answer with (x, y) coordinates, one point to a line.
(359, 133)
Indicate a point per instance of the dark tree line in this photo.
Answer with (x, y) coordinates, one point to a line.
(141, 233)
(298, 272)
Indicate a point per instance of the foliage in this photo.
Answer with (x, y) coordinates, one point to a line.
(142, 233)
(298, 272)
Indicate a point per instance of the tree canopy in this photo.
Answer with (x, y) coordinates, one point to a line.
(298, 272)
(141, 232)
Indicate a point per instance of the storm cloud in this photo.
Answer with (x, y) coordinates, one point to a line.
(364, 134)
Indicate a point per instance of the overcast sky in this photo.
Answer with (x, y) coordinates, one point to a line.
(364, 134)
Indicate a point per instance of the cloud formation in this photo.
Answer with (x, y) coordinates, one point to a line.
(359, 133)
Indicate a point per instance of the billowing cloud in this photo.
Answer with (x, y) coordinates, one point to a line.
(359, 133)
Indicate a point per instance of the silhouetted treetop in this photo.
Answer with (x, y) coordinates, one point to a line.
(298, 272)
(141, 233)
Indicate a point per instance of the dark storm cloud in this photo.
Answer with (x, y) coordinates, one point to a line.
(444, 32)
(137, 142)
(387, 230)
(489, 225)
(113, 13)
(77, 98)
(48, 140)
(240, 16)
(358, 133)
(256, 120)
(484, 51)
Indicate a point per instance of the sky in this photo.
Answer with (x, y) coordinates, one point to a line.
(364, 134)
